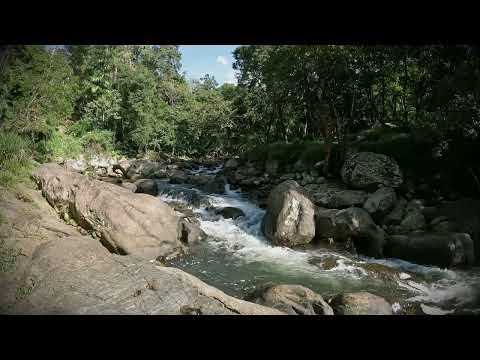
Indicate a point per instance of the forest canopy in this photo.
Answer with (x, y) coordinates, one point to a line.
(133, 99)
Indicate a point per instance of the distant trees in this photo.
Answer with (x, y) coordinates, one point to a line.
(133, 97)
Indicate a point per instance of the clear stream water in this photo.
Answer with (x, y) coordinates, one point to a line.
(236, 258)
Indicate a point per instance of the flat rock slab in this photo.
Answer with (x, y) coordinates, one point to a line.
(334, 195)
(78, 276)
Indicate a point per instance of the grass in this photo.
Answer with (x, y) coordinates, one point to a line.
(15, 159)
(24, 291)
(8, 257)
(59, 146)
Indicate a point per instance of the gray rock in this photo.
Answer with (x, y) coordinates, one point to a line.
(355, 225)
(396, 216)
(230, 212)
(146, 169)
(380, 202)
(464, 215)
(360, 303)
(335, 196)
(440, 249)
(292, 299)
(78, 276)
(289, 218)
(231, 164)
(414, 219)
(127, 223)
(146, 186)
(324, 223)
(367, 170)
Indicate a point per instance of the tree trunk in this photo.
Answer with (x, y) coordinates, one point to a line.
(405, 72)
(383, 90)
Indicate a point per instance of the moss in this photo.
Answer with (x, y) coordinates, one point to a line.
(8, 257)
(24, 291)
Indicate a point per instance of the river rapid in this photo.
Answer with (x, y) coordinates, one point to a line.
(236, 257)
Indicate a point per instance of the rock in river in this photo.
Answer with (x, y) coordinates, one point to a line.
(440, 249)
(360, 303)
(292, 299)
(230, 212)
(289, 219)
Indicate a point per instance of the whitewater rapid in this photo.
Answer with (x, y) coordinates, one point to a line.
(237, 257)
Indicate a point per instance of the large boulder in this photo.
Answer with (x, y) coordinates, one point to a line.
(77, 276)
(368, 170)
(333, 195)
(380, 202)
(397, 214)
(146, 186)
(413, 219)
(324, 223)
(289, 218)
(356, 226)
(127, 223)
(464, 216)
(292, 299)
(360, 303)
(440, 249)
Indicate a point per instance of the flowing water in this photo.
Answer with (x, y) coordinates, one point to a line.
(236, 258)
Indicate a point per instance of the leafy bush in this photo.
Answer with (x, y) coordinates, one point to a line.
(15, 158)
(58, 146)
(98, 141)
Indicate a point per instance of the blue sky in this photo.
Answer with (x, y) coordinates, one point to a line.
(216, 60)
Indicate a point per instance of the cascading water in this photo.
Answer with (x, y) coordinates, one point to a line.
(236, 258)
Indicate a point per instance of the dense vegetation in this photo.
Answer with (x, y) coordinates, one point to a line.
(134, 100)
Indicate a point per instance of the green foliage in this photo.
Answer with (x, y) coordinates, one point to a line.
(291, 157)
(97, 141)
(15, 158)
(8, 257)
(38, 92)
(59, 146)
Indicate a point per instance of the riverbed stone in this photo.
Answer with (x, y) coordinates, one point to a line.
(230, 212)
(292, 299)
(289, 218)
(334, 195)
(360, 303)
(368, 170)
(440, 249)
(380, 202)
(355, 225)
(413, 219)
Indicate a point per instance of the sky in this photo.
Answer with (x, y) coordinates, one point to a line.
(216, 60)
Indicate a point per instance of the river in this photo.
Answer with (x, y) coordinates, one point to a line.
(236, 258)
